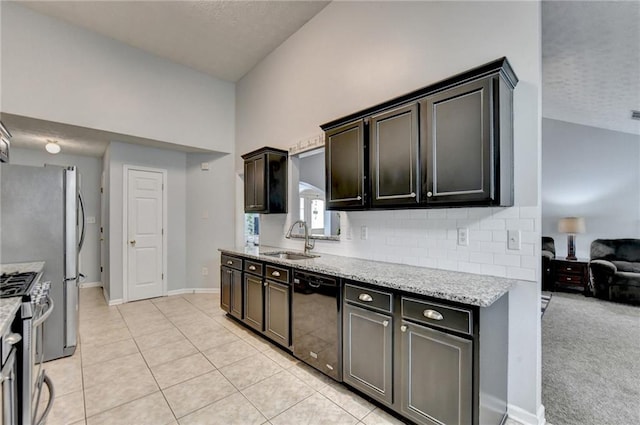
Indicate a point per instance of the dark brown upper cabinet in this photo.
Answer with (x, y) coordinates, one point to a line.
(394, 157)
(345, 166)
(265, 181)
(467, 159)
(447, 144)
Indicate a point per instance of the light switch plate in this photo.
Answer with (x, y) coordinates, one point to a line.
(364, 233)
(513, 239)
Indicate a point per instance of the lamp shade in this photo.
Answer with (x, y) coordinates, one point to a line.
(571, 225)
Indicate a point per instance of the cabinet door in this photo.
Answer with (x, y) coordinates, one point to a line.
(254, 188)
(436, 376)
(393, 143)
(277, 307)
(226, 275)
(344, 159)
(236, 294)
(253, 302)
(458, 159)
(367, 358)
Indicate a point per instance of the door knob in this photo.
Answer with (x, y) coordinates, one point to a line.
(133, 242)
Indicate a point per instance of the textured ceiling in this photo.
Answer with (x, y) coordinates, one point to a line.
(32, 133)
(221, 38)
(591, 63)
(590, 53)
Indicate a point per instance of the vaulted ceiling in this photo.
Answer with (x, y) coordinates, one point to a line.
(590, 50)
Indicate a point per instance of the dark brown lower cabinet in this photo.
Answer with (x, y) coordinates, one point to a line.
(436, 376)
(231, 291)
(254, 302)
(367, 352)
(277, 311)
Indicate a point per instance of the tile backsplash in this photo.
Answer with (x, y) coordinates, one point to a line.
(429, 238)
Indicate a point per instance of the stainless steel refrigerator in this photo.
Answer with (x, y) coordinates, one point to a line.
(42, 219)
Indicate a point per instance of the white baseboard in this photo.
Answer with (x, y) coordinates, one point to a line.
(526, 417)
(193, 291)
(116, 302)
(90, 284)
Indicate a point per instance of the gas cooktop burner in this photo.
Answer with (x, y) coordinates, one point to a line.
(16, 284)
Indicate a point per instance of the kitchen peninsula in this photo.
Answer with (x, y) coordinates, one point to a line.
(428, 344)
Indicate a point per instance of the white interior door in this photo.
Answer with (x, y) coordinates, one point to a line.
(145, 232)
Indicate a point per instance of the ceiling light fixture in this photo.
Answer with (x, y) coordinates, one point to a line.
(52, 147)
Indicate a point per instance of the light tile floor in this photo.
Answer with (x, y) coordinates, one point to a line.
(180, 360)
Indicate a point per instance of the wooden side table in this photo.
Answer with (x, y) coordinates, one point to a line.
(570, 274)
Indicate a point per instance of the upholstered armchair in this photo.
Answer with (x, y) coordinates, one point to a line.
(548, 252)
(615, 269)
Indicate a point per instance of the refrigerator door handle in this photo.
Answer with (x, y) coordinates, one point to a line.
(84, 224)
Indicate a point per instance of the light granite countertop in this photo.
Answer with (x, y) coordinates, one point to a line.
(466, 288)
(9, 306)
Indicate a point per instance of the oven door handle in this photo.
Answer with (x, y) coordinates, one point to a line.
(40, 320)
(52, 395)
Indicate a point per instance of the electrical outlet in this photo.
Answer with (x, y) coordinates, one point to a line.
(205, 271)
(91, 220)
(513, 240)
(204, 166)
(463, 236)
(364, 233)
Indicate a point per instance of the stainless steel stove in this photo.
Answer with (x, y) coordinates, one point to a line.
(36, 307)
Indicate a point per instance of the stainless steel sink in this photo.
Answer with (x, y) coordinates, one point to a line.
(288, 255)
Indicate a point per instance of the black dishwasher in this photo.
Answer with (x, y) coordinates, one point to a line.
(317, 323)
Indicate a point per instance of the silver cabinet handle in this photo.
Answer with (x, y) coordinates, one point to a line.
(365, 297)
(432, 314)
(229, 262)
(568, 268)
(403, 328)
(429, 194)
(13, 339)
(275, 273)
(252, 268)
(385, 323)
(413, 194)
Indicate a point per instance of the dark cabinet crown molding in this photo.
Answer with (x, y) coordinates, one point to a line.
(499, 66)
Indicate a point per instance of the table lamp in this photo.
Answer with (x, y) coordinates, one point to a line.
(571, 226)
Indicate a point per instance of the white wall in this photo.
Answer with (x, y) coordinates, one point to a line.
(592, 173)
(89, 170)
(54, 71)
(122, 154)
(355, 54)
(210, 216)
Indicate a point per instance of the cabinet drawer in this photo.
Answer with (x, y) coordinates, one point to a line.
(276, 273)
(253, 267)
(233, 262)
(571, 279)
(570, 269)
(368, 297)
(442, 316)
